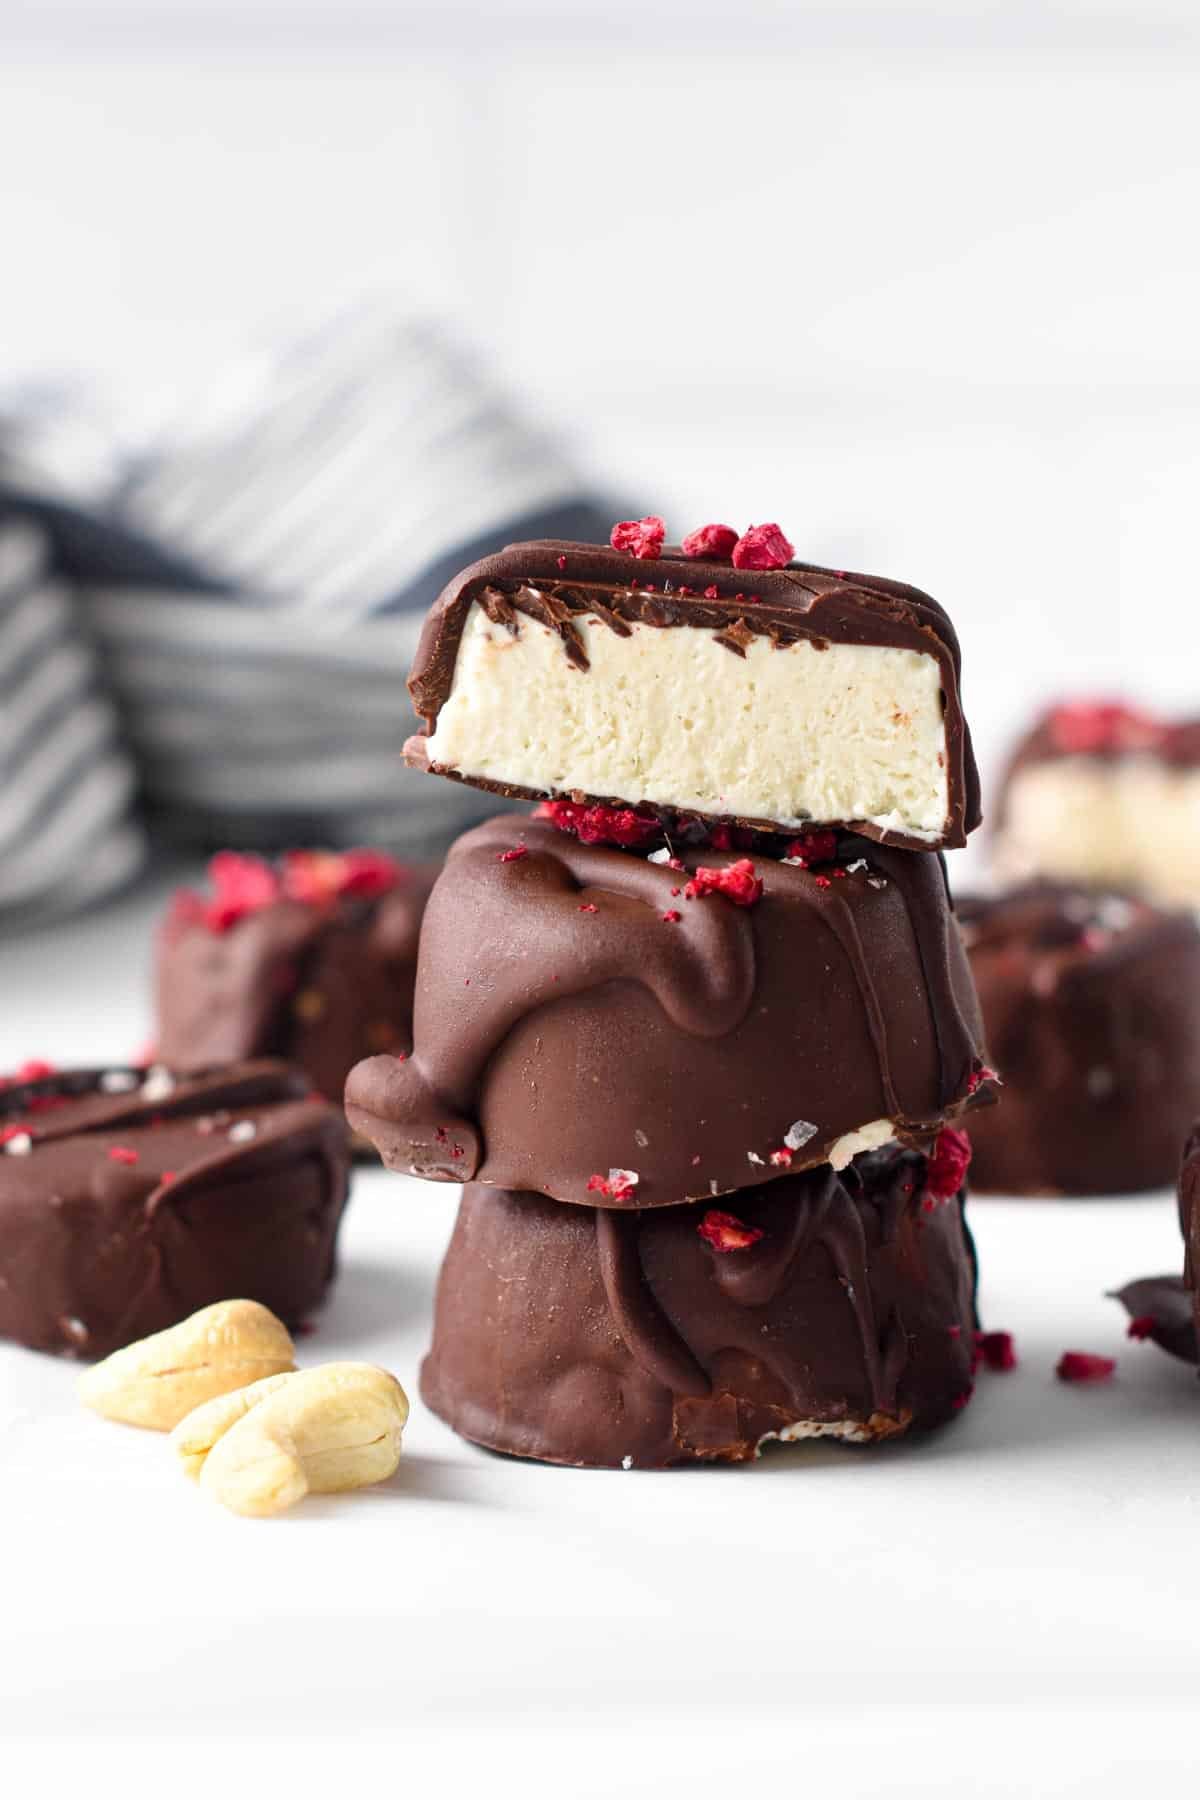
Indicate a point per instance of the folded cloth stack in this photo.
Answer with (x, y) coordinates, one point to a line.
(67, 833)
(694, 1034)
(244, 587)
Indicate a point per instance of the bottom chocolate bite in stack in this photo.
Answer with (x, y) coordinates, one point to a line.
(128, 1200)
(831, 1305)
(1091, 1011)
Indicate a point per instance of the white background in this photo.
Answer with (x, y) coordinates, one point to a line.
(922, 283)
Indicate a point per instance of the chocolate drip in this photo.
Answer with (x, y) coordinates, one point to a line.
(841, 921)
(649, 1335)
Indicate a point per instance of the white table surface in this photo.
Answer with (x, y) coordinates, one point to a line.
(1008, 1608)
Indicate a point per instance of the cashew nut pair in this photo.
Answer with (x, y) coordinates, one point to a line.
(255, 1431)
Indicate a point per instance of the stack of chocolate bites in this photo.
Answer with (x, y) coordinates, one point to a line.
(692, 1034)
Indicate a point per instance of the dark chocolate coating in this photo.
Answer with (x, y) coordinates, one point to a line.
(319, 987)
(801, 601)
(96, 1251)
(1091, 1010)
(553, 1043)
(1189, 1220)
(1165, 1307)
(606, 1339)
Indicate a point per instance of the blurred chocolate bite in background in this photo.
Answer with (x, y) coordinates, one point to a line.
(1091, 1014)
(311, 959)
(1105, 795)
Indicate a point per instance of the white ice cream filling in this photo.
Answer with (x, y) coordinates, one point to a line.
(1132, 821)
(671, 717)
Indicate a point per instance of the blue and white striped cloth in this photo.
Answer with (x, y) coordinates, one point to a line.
(234, 607)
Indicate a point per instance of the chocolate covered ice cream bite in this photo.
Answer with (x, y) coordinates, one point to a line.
(1091, 1012)
(311, 959)
(718, 678)
(1105, 795)
(831, 1304)
(637, 1027)
(129, 1198)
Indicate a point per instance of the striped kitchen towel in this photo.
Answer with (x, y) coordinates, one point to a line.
(254, 573)
(67, 831)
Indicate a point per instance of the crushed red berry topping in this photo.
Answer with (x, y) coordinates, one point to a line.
(730, 837)
(640, 537)
(712, 541)
(948, 1163)
(1083, 727)
(816, 847)
(737, 882)
(560, 562)
(120, 1153)
(1143, 1327)
(1082, 1365)
(618, 1184)
(978, 1076)
(587, 907)
(725, 1231)
(672, 917)
(762, 547)
(515, 854)
(964, 1399)
(620, 825)
(318, 877)
(781, 1158)
(9, 1132)
(33, 1070)
(996, 1350)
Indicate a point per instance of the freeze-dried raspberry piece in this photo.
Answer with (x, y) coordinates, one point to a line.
(36, 1069)
(725, 1231)
(120, 1153)
(978, 1076)
(737, 882)
(1082, 1365)
(240, 885)
(318, 877)
(947, 1164)
(712, 541)
(814, 847)
(1143, 1327)
(517, 852)
(730, 837)
(996, 1350)
(620, 825)
(1087, 726)
(618, 1184)
(640, 537)
(762, 547)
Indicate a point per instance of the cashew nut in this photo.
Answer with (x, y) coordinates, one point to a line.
(320, 1431)
(161, 1379)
